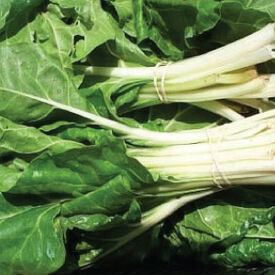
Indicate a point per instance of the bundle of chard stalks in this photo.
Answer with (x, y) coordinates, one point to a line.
(236, 153)
(97, 163)
(228, 73)
(203, 161)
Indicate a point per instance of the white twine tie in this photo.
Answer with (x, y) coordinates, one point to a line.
(161, 92)
(215, 164)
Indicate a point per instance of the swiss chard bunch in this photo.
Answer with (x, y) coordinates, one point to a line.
(86, 175)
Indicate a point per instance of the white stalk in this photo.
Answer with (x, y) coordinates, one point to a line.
(261, 87)
(219, 108)
(267, 92)
(201, 148)
(186, 72)
(227, 58)
(176, 84)
(261, 153)
(260, 56)
(258, 104)
(207, 183)
(256, 130)
(223, 132)
(238, 168)
(233, 51)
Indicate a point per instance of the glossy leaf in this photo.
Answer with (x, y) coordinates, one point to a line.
(227, 229)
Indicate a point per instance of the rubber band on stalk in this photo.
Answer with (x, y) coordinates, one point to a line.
(215, 164)
(161, 92)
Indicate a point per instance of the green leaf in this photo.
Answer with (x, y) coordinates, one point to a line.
(168, 24)
(9, 177)
(111, 95)
(79, 169)
(108, 199)
(101, 222)
(76, 171)
(4, 12)
(124, 9)
(226, 228)
(260, 5)
(185, 20)
(93, 27)
(241, 254)
(92, 223)
(67, 42)
(44, 85)
(126, 50)
(175, 117)
(31, 239)
(29, 79)
(143, 23)
(21, 139)
(237, 21)
(11, 9)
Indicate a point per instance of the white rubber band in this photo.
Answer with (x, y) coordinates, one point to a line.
(215, 164)
(161, 92)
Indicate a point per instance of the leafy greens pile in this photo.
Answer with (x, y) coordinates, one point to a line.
(73, 195)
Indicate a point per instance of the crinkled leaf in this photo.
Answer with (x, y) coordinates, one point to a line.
(124, 9)
(226, 229)
(261, 5)
(142, 22)
(93, 27)
(101, 222)
(247, 252)
(237, 21)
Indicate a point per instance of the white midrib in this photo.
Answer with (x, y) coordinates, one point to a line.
(141, 134)
(119, 127)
